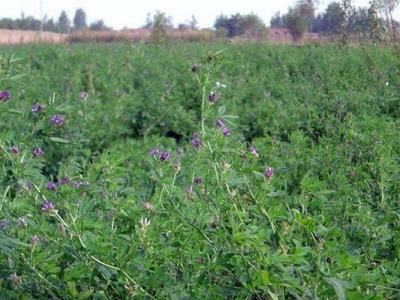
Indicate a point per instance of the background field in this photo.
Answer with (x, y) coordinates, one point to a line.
(325, 225)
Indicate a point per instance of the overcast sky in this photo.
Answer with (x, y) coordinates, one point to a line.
(132, 13)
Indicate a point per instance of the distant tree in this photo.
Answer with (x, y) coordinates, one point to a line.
(237, 25)
(296, 23)
(388, 7)
(193, 24)
(63, 23)
(159, 25)
(149, 22)
(232, 24)
(98, 26)
(80, 19)
(276, 20)
(330, 20)
(307, 8)
(49, 25)
(253, 26)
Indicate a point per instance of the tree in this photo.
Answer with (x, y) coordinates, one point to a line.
(296, 23)
(307, 8)
(277, 20)
(159, 25)
(232, 24)
(253, 26)
(193, 23)
(98, 26)
(63, 23)
(330, 20)
(388, 7)
(80, 19)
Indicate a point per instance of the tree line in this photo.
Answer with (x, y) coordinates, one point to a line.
(340, 17)
(62, 25)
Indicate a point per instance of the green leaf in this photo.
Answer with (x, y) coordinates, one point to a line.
(54, 270)
(230, 117)
(59, 140)
(85, 295)
(72, 289)
(221, 110)
(234, 181)
(339, 286)
(264, 277)
(15, 112)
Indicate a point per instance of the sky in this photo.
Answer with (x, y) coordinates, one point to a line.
(132, 13)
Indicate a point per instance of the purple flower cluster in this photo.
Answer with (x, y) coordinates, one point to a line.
(219, 124)
(57, 120)
(226, 131)
(194, 68)
(177, 166)
(4, 95)
(14, 150)
(47, 206)
(253, 151)
(3, 223)
(83, 95)
(163, 156)
(36, 108)
(22, 222)
(51, 186)
(211, 98)
(196, 142)
(77, 184)
(268, 173)
(64, 180)
(197, 180)
(37, 152)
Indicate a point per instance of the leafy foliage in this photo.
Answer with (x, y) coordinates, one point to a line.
(195, 173)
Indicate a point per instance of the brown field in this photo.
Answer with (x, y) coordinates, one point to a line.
(274, 35)
(28, 37)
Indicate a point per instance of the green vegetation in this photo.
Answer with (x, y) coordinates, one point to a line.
(177, 171)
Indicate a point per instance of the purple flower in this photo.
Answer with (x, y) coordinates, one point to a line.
(226, 131)
(76, 184)
(14, 150)
(180, 151)
(268, 173)
(22, 222)
(199, 260)
(4, 95)
(164, 156)
(155, 152)
(253, 151)
(3, 223)
(196, 142)
(194, 68)
(47, 206)
(177, 166)
(219, 124)
(83, 95)
(50, 186)
(57, 120)
(36, 108)
(37, 152)
(211, 98)
(34, 240)
(64, 180)
(197, 180)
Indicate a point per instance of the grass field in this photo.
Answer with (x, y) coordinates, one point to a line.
(192, 171)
